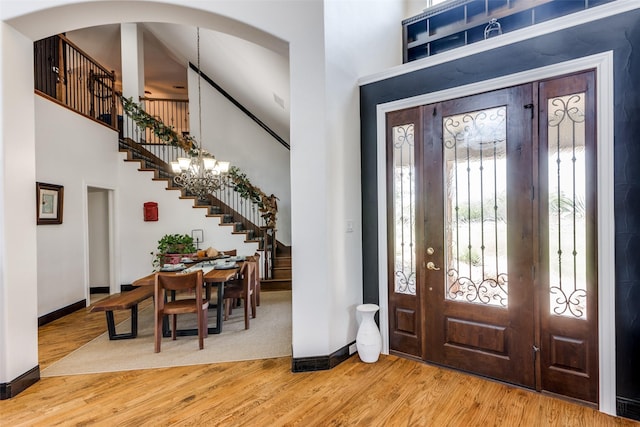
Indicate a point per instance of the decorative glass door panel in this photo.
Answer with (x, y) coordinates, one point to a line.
(404, 213)
(567, 196)
(474, 146)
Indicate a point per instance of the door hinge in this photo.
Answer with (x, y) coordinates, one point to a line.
(530, 107)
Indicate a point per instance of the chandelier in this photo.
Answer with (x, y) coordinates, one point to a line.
(200, 174)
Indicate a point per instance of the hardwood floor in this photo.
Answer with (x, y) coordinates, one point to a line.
(391, 392)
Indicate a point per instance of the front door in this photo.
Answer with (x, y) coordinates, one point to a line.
(481, 224)
(479, 232)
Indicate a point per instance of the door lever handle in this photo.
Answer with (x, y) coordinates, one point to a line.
(432, 266)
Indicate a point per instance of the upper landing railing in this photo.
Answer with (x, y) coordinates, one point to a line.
(67, 75)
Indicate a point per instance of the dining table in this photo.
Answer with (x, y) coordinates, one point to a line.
(213, 276)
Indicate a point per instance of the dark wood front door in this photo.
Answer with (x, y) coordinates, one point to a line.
(492, 235)
(479, 233)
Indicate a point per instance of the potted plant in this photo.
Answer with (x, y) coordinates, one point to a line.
(171, 248)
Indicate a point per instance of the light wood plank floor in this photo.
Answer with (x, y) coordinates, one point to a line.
(391, 392)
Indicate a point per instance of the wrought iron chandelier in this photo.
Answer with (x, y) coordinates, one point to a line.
(201, 174)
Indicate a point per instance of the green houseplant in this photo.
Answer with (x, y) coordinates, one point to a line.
(172, 247)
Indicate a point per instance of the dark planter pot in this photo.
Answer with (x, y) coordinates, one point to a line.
(175, 258)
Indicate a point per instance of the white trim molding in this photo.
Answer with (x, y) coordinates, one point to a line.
(603, 64)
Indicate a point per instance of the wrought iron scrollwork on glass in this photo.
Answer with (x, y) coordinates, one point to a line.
(492, 291)
(474, 146)
(567, 208)
(404, 209)
(573, 304)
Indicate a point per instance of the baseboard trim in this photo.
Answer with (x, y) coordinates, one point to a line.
(99, 290)
(61, 312)
(13, 388)
(321, 363)
(628, 408)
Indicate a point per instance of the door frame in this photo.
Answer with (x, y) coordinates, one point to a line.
(603, 64)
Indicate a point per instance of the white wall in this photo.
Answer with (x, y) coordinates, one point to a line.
(231, 135)
(372, 33)
(70, 151)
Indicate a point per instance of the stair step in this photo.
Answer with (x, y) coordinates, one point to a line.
(282, 273)
(275, 285)
(282, 262)
(284, 251)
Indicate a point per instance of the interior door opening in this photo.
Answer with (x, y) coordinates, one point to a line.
(99, 242)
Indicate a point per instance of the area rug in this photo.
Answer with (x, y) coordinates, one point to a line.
(269, 336)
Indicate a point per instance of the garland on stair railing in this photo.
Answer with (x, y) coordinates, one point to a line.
(267, 205)
(237, 180)
(165, 133)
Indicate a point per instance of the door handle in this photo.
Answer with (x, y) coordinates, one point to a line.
(432, 266)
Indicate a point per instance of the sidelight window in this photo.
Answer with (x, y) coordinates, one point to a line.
(404, 215)
(567, 209)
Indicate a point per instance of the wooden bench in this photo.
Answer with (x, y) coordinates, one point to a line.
(123, 301)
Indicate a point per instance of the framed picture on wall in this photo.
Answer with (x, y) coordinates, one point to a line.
(49, 198)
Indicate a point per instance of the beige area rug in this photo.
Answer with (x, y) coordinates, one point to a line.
(269, 336)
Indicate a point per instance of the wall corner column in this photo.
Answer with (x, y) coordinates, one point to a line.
(18, 272)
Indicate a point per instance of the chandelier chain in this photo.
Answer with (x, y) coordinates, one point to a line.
(199, 93)
(199, 175)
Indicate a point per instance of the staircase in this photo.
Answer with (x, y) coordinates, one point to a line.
(281, 280)
(149, 162)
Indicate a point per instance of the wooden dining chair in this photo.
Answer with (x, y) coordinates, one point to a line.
(181, 284)
(242, 289)
(256, 283)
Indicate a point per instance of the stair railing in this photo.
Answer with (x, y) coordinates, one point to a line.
(67, 75)
(132, 135)
(239, 202)
(173, 112)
